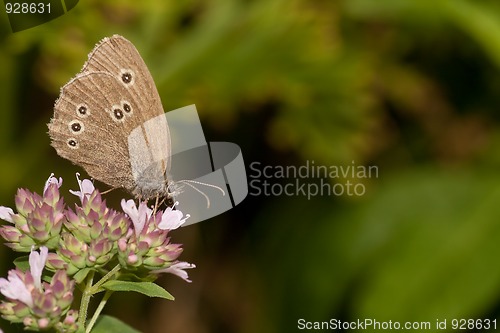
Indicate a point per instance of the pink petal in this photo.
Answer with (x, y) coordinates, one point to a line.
(14, 288)
(6, 214)
(172, 219)
(53, 180)
(138, 216)
(178, 269)
(129, 208)
(86, 187)
(37, 263)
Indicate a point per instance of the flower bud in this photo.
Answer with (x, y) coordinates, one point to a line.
(38, 221)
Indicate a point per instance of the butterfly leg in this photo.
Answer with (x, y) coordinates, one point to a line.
(107, 191)
(156, 204)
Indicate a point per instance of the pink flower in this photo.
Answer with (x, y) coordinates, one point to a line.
(6, 214)
(86, 188)
(172, 219)
(17, 287)
(14, 288)
(147, 243)
(178, 269)
(52, 180)
(138, 216)
(37, 263)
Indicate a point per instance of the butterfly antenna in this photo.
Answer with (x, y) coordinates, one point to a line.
(190, 183)
(199, 191)
(185, 181)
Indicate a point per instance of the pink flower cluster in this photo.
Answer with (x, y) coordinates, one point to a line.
(72, 242)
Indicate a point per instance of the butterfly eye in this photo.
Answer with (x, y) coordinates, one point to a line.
(72, 143)
(126, 107)
(82, 110)
(118, 114)
(76, 127)
(127, 76)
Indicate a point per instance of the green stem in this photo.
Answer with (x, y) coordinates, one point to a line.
(105, 278)
(97, 312)
(87, 294)
(84, 304)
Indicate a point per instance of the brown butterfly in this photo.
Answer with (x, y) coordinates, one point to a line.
(109, 120)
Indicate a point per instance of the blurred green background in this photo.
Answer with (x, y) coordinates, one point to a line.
(412, 87)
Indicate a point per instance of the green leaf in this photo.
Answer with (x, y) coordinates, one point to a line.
(147, 288)
(108, 324)
(81, 275)
(22, 263)
(138, 278)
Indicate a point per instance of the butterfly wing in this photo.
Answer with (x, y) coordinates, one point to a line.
(98, 110)
(119, 57)
(90, 127)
